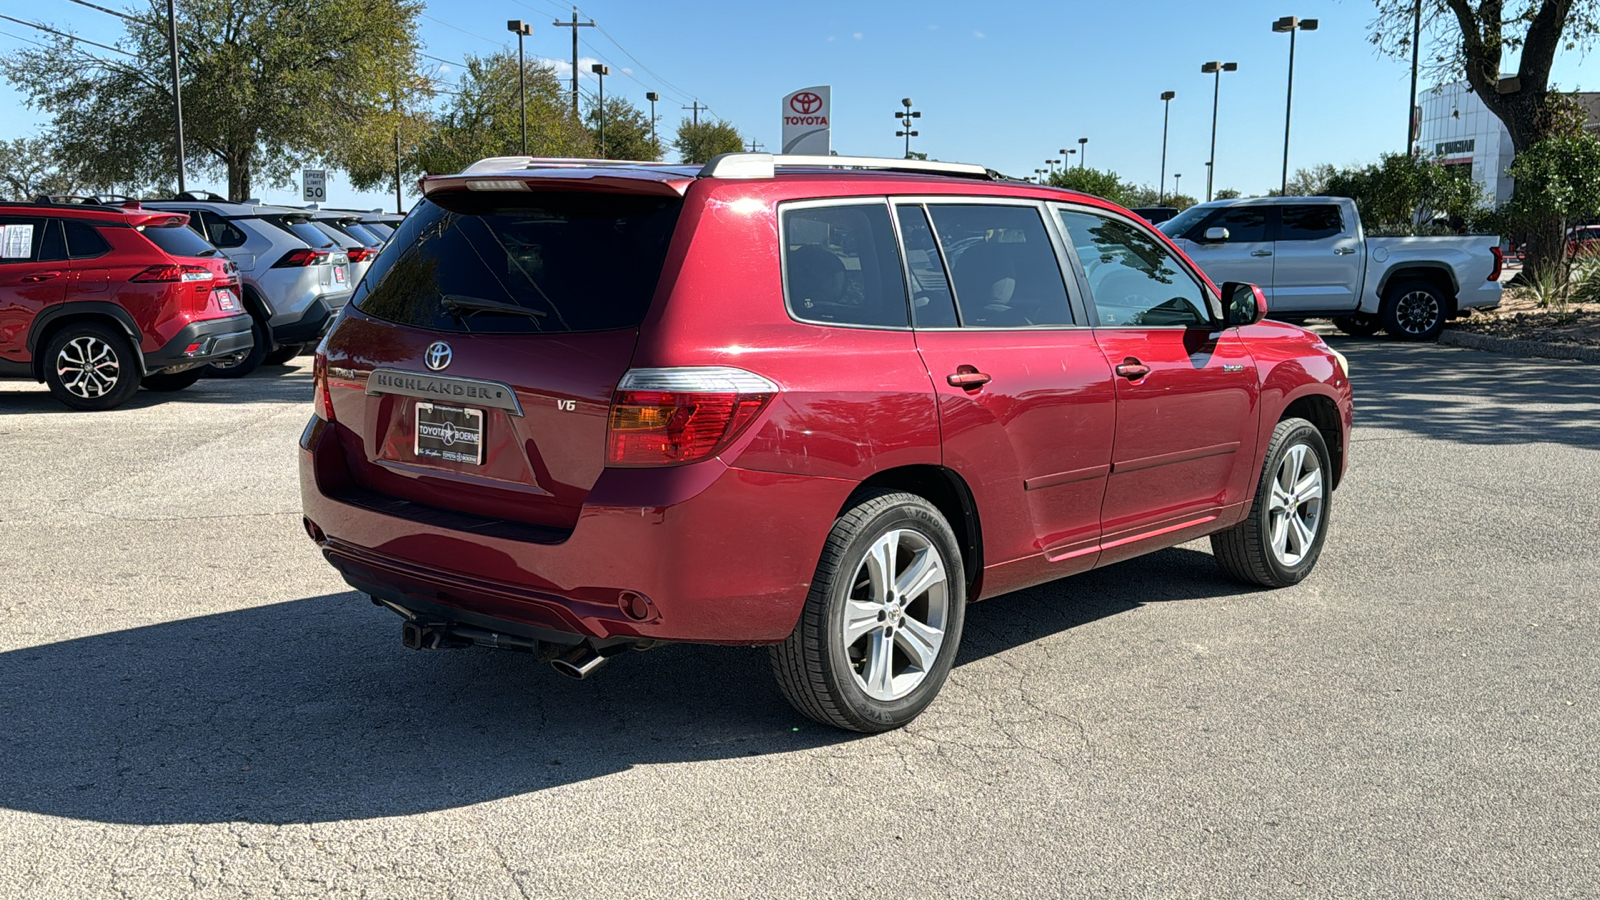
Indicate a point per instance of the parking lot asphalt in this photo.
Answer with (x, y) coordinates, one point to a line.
(192, 703)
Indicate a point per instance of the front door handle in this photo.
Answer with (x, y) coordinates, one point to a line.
(968, 378)
(1132, 369)
(40, 276)
(1344, 251)
(1260, 252)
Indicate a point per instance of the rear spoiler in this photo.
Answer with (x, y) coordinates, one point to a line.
(564, 175)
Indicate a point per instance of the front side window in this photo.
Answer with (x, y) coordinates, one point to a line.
(1244, 224)
(1133, 280)
(1002, 265)
(841, 267)
(1310, 223)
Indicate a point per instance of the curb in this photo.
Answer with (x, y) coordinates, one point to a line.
(1451, 337)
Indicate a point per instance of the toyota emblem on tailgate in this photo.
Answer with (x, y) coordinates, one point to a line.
(438, 355)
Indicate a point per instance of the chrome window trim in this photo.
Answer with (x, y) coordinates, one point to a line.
(785, 206)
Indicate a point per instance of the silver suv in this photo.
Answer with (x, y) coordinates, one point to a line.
(294, 277)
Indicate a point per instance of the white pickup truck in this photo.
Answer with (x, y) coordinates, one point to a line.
(1313, 260)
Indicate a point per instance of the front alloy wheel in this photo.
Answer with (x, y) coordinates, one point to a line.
(1279, 542)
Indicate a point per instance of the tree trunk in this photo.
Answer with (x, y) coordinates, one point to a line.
(239, 177)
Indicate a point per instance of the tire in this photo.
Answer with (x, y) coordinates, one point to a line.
(283, 354)
(1359, 325)
(1250, 551)
(262, 343)
(834, 680)
(91, 366)
(172, 381)
(1414, 310)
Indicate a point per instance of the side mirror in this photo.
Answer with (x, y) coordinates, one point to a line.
(1243, 303)
(1217, 235)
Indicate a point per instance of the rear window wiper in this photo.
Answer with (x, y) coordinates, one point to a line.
(460, 304)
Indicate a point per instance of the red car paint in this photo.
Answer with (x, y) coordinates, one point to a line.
(1064, 464)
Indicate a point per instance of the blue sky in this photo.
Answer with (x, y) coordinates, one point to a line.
(1002, 83)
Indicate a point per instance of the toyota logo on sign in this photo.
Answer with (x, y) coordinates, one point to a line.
(438, 355)
(805, 103)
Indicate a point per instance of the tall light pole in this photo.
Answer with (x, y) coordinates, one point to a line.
(652, 96)
(1411, 111)
(1215, 68)
(1175, 177)
(522, 29)
(1166, 116)
(602, 71)
(905, 116)
(1291, 25)
(1083, 144)
(1066, 157)
(177, 95)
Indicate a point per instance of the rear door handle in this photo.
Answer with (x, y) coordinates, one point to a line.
(40, 276)
(968, 378)
(1132, 369)
(1260, 252)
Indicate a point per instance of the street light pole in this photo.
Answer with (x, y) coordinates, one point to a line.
(1166, 117)
(1291, 25)
(1215, 68)
(602, 71)
(1411, 111)
(1176, 176)
(652, 96)
(905, 116)
(522, 30)
(177, 94)
(1083, 143)
(1066, 157)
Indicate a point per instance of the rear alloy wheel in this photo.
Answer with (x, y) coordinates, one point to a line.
(283, 354)
(171, 381)
(1278, 544)
(1414, 311)
(243, 365)
(882, 622)
(1359, 324)
(91, 366)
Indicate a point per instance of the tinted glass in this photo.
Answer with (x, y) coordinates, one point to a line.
(1309, 223)
(1244, 223)
(303, 229)
(84, 240)
(841, 268)
(177, 240)
(222, 233)
(53, 245)
(932, 304)
(380, 229)
(1002, 265)
(334, 234)
(1182, 222)
(1133, 280)
(360, 232)
(20, 238)
(586, 261)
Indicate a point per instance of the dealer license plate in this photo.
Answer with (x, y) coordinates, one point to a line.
(451, 433)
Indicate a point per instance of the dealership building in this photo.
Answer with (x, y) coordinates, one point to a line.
(1456, 129)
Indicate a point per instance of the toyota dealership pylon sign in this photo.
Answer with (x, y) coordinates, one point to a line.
(805, 121)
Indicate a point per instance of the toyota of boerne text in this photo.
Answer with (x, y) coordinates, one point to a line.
(581, 408)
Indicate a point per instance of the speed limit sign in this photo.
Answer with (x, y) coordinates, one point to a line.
(314, 185)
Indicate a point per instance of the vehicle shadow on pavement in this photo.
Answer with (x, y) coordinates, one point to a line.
(311, 711)
(270, 385)
(1471, 395)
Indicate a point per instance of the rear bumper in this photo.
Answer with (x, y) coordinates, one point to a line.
(720, 555)
(211, 339)
(1485, 296)
(309, 328)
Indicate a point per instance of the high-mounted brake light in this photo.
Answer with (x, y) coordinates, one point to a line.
(1499, 261)
(497, 184)
(667, 417)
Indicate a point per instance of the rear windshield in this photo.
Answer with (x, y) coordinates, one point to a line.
(302, 229)
(178, 240)
(380, 229)
(334, 234)
(359, 232)
(586, 261)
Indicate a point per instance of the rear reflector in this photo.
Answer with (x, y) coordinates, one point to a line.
(666, 417)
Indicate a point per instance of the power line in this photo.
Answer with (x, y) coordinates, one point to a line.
(462, 30)
(24, 40)
(448, 62)
(111, 12)
(70, 37)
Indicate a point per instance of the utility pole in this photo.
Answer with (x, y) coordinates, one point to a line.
(177, 94)
(905, 116)
(574, 25)
(652, 96)
(697, 107)
(1411, 111)
(756, 146)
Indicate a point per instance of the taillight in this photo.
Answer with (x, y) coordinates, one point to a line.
(174, 273)
(295, 259)
(323, 400)
(665, 417)
(360, 254)
(1499, 260)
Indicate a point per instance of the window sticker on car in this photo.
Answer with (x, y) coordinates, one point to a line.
(16, 241)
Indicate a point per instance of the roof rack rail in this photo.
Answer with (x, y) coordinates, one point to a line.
(205, 196)
(765, 165)
(506, 163)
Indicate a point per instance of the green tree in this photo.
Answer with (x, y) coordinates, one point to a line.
(30, 167)
(1558, 186)
(268, 85)
(482, 117)
(627, 131)
(1311, 182)
(1104, 184)
(1227, 194)
(1403, 194)
(698, 143)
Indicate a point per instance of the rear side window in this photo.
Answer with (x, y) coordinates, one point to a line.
(21, 238)
(1310, 223)
(1002, 264)
(578, 261)
(222, 232)
(84, 241)
(840, 266)
(177, 240)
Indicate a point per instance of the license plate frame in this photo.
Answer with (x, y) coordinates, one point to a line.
(444, 433)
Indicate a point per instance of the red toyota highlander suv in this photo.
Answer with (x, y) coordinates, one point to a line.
(818, 403)
(96, 301)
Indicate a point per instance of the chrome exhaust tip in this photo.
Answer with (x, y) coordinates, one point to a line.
(579, 662)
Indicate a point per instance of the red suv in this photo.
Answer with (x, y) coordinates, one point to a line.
(817, 403)
(96, 301)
